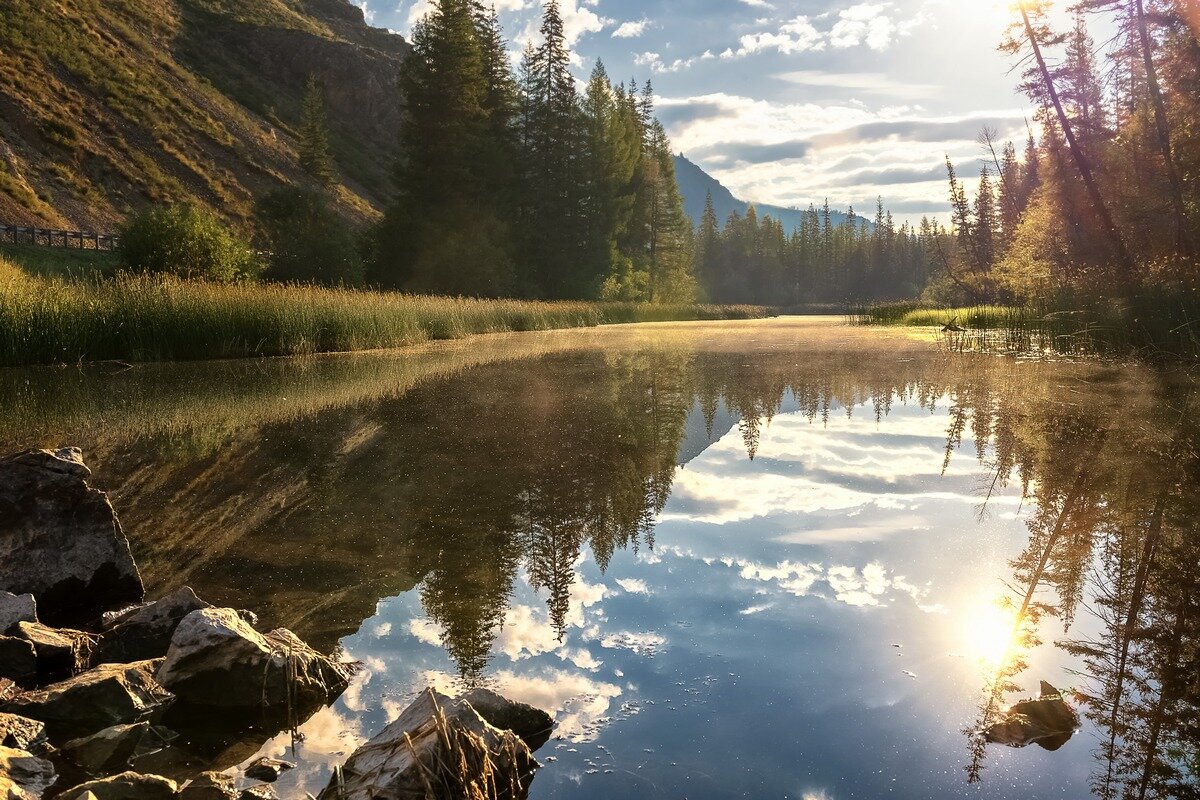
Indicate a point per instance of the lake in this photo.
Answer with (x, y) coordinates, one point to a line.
(784, 558)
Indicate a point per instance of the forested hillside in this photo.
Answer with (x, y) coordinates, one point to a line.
(111, 106)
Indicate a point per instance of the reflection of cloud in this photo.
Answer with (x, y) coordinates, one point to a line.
(426, 630)
(633, 585)
(644, 644)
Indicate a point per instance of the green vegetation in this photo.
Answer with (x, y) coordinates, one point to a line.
(157, 318)
(185, 242)
(59, 262)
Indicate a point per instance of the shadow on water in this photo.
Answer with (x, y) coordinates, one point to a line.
(311, 490)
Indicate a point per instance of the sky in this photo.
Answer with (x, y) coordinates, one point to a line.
(793, 101)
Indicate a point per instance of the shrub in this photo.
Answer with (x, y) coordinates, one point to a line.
(187, 242)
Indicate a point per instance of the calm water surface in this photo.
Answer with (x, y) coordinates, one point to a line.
(779, 559)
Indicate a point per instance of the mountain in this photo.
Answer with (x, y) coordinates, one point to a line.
(107, 106)
(695, 184)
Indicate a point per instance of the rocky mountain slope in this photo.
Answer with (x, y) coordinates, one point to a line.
(107, 106)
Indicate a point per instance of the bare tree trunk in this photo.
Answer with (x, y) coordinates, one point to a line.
(1184, 240)
(1085, 171)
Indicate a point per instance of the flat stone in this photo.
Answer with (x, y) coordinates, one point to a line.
(145, 631)
(108, 695)
(60, 539)
(16, 608)
(23, 776)
(22, 733)
(530, 723)
(217, 660)
(108, 751)
(18, 660)
(210, 786)
(267, 769)
(125, 786)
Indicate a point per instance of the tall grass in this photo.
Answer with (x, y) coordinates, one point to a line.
(142, 318)
(1154, 323)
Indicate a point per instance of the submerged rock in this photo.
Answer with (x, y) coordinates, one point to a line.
(18, 660)
(267, 769)
(112, 694)
(210, 786)
(16, 608)
(530, 723)
(60, 539)
(437, 742)
(23, 776)
(125, 786)
(1047, 722)
(259, 791)
(217, 660)
(145, 631)
(108, 751)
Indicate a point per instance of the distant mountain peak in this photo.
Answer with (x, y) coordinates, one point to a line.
(695, 185)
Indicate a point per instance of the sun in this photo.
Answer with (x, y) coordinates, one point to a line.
(988, 633)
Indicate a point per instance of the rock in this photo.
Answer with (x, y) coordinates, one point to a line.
(1047, 722)
(412, 752)
(108, 751)
(61, 652)
(125, 786)
(111, 694)
(145, 631)
(531, 724)
(210, 786)
(23, 776)
(8, 689)
(267, 770)
(23, 733)
(216, 659)
(18, 660)
(16, 608)
(259, 791)
(60, 539)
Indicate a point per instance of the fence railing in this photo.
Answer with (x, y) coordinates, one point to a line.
(52, 237)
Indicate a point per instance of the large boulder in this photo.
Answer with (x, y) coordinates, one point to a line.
(18, 660)
(530, 723)
(1049, 722)
(217, 660)
(23, 776)
(436, 742)
(266, 769)
(16, 608)
(60, 539)
(23, 733)
(111, 694)
(145, 632)
(108, 751)
(125, 786)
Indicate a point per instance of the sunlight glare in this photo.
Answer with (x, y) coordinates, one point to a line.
(988, 633)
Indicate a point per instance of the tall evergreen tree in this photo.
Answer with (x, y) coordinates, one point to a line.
(316, 158)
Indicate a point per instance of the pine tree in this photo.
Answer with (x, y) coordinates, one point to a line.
(316, 159)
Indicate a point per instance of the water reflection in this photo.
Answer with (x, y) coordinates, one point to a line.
(741, 562)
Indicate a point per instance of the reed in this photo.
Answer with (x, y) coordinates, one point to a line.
(154, 318)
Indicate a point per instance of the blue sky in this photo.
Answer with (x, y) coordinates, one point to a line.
(793, 101)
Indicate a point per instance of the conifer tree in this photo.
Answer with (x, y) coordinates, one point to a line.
(316, 159)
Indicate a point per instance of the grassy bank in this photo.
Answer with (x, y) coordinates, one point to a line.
(1152, 324)
(134, 318)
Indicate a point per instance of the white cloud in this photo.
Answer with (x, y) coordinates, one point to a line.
(631, 29)
(633, 585)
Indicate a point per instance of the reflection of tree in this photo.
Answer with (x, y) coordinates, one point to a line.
(1113, 531)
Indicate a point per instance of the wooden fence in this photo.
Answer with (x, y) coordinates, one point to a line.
(50, 237)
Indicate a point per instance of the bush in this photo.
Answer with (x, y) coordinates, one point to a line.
(309, 243)
(186, 242)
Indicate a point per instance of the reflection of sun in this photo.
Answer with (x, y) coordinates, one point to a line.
(988, 633)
